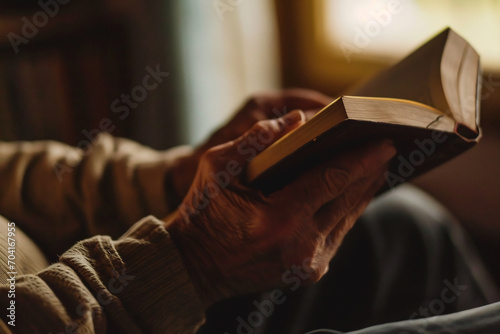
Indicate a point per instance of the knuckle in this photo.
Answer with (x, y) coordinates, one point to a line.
(335, 180)
(266, 130)
(280, 124)
(257, 128)
(211, 157)
(268, 125)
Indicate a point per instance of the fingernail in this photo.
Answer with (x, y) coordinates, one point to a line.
(293, 117)
(387, 149)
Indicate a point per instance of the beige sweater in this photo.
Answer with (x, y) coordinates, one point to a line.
(107, 282)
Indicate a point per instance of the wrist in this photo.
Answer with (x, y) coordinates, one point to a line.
(197, 260)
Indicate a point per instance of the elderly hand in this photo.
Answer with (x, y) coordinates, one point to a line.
(260, 107)
(235, 240)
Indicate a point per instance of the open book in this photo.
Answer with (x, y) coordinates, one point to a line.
(428, 104)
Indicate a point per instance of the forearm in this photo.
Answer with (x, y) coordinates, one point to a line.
(57, 192)
(134, 284)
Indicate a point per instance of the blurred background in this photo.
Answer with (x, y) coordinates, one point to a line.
(65, 65)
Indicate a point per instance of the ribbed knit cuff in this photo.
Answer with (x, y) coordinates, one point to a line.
(159, 290)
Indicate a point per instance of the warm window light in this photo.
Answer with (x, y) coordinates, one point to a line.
(392, 28)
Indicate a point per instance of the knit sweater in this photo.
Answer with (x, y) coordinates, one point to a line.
(93, 213)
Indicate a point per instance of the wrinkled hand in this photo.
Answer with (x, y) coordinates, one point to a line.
(260, 107)
(235, 240)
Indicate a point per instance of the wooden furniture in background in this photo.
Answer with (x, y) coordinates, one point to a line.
(60, 81)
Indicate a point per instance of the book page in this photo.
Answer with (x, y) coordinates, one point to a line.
(416, 78)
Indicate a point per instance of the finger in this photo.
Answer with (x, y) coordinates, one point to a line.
(340, 230)
(261, 135)
(328, 181)
(335, 211)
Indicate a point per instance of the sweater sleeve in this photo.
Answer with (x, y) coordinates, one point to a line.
(57, 192)
(136, 284)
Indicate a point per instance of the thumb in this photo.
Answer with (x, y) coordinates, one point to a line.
(264, 133)
(293, 120)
